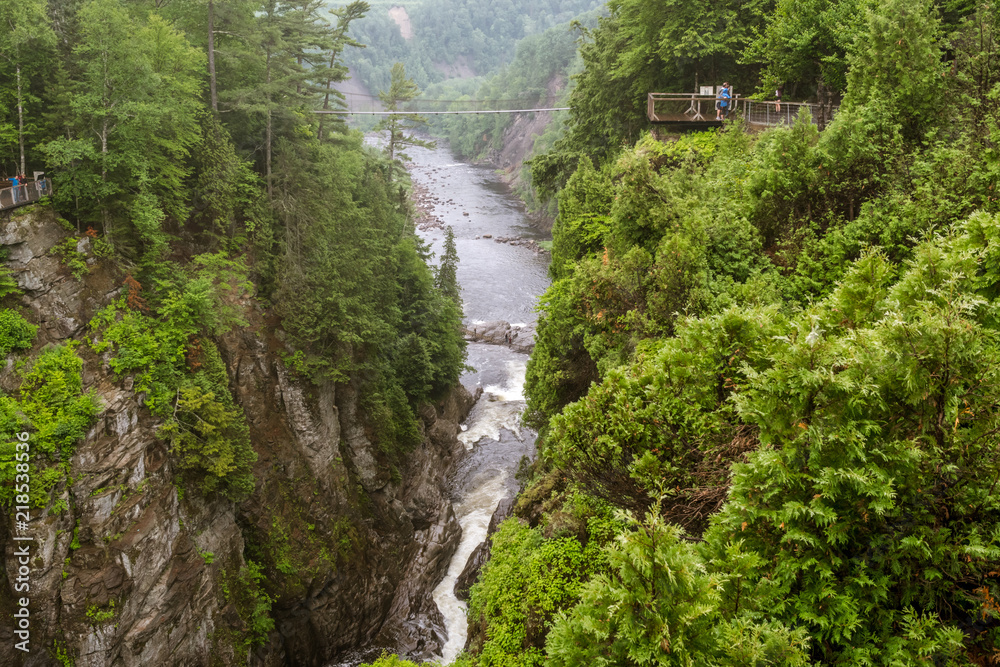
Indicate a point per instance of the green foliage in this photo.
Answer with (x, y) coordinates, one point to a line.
(7, 283)
(806, 45)
(133, 124)
(525, 582)
(895, 73)
(70, 257)
(16, 333)
(399, 127)
(479, 36)
(56, 413)
(390, 660)
(243, 588)
(357, 296)
(875, 422)
(663, 428)
(541, 62)
(183, 376)
(446, 279)
(99, 615)
(657, 605)
(208, 433)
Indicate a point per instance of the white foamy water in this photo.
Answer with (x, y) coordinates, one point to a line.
(474, 511)
(499, 408)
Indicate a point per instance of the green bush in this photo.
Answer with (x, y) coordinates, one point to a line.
(658, 605)
(16, 333)
(56, 413)
(186, 384)
(390, 660)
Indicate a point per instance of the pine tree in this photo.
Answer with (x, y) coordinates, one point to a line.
(447, 274)
(400, 125)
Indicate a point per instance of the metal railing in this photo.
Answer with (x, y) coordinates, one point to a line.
(24, 193)
(692, 108)
(770, 114)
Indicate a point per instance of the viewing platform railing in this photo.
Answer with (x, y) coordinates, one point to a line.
(25, 193)
(684, 107)
(694, 108)
(771, 114)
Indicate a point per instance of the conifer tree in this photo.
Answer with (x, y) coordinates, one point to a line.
(399, 126)
(447, 275)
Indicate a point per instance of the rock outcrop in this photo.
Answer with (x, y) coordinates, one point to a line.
(132, 568)
(498, 332)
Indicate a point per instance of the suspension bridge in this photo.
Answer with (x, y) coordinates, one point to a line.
(369, 105)
(682, 110)
(692, 111)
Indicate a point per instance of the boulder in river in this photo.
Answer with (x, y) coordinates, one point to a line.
(499, 332)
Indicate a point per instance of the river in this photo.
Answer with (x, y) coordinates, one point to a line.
(499, 282)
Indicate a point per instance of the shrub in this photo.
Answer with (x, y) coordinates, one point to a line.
(16, 333)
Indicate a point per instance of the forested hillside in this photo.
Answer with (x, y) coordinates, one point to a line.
(765, 374)
(452, 35)
(158, 158)
(222, 247)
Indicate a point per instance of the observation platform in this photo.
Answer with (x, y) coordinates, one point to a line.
(692, 111)
(25, 193)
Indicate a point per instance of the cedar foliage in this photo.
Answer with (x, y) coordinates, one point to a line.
(778, 349)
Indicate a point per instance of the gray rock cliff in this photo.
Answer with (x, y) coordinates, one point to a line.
(130, 568)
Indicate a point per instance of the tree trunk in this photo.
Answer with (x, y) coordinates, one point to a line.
(326, 99)
(105, 220)
(20, 117)
(267, 131)
(211, 57)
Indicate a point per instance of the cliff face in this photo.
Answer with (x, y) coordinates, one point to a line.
(518, 143)
(136, 571)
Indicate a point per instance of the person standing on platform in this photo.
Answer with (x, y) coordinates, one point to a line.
(722, 103)
(14, 183)
(777, 97)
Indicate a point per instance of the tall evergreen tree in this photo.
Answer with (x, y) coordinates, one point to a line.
(447, 275)
(399, 126)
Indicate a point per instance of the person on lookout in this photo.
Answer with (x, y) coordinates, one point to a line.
(722, 105)
(14, 183)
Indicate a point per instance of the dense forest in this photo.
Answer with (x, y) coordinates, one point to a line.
(765, 375)
(184, 153)
(479, 37)
(208, 185)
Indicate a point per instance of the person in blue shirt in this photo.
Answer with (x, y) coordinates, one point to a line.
(14, 183)
(722, 102)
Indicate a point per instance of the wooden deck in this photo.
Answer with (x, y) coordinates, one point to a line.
(685, 108)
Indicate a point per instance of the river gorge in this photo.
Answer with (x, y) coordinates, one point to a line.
(500, 282)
